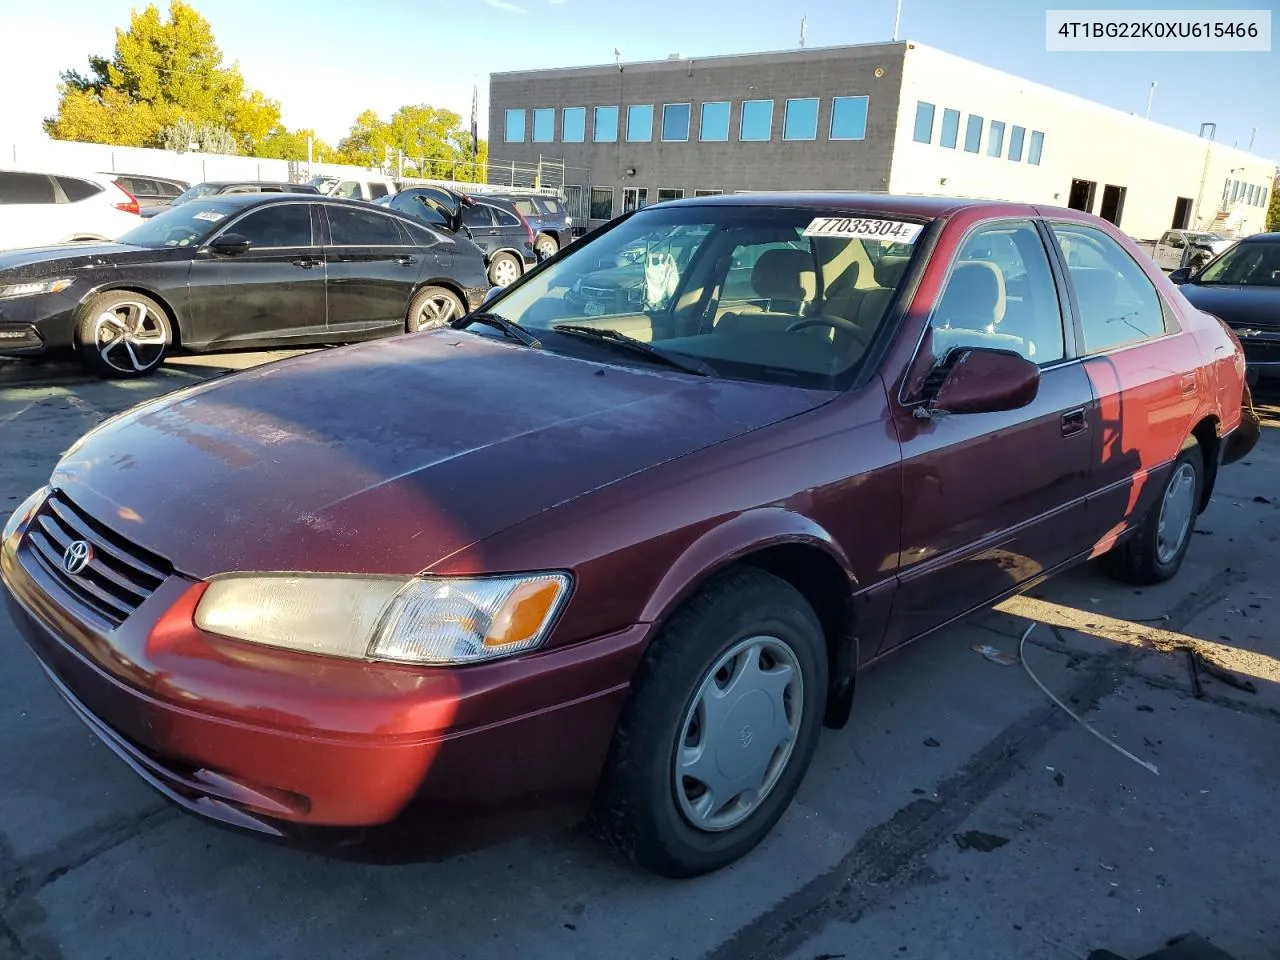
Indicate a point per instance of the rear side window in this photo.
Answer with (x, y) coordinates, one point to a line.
(419, 235)
(553, 207)
(138, 186)
(362, 228)
(26, 188)
(527, 208)
(77, 189)
(478, 216)
(1117, 302)
(505, 218)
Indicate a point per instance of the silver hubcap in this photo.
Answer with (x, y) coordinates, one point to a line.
(738, 733)
(505, 272)
(1176, 512)
(436, 312)
(129, 337)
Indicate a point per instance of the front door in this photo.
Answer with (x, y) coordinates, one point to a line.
(372, 269)
(274, 291)
(1169, 251)
(1144, 375)
(991, 500)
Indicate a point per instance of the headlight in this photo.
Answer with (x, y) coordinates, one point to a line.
(25, 510)
(428, 620)
(33, 287)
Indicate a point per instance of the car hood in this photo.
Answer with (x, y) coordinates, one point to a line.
(58, 258)
(1239, 306)
(387, 457)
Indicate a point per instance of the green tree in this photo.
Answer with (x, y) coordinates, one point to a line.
(284, 144)
(434, 142)
(162, 71)
(1273, 209)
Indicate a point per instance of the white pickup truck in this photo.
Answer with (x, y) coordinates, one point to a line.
(356, 188)
(1178, 248)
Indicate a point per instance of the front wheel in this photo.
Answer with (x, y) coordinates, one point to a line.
(123, 334)
(719, 730)
(504, 270)
(432, 307)
(1155, 552)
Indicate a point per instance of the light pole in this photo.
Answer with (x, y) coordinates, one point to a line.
(1150, 96)
(897, 19)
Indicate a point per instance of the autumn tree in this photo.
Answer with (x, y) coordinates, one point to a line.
(284, 144)
(433, 140)
(1273, 208)
(162, 71)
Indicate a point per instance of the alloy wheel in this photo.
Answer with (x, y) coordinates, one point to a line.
(129, 337)
(435, 312)
(1176, 513)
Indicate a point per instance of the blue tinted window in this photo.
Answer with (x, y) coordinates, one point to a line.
(972, 134)
(640, 123)
(675, 121)
(950, 128)
(573, 125)
(515, 126)
(849, 118)
(544, 125)
(800, 122)
(606, 125)
(924, 122)
(995, 139)
(1015, 143)
(715, 121)
(1037, 147)
(757, 120)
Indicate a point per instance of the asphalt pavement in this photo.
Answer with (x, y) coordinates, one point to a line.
(960, 814)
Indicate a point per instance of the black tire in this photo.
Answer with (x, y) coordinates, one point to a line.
(636, 810)
(1138, 559)
(133, 345)
(420, 315)
(496, 268)
(547, 245)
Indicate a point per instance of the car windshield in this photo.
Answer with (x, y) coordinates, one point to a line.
(1203, 237)
(184, 226)
(778, 295)
(1246, 264)
(195, 193)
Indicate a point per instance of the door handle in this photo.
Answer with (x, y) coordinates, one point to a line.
(1188, 384)
(1073, 422)
(406, 261)
(307, 262)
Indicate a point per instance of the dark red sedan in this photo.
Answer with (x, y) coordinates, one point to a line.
(622, 551)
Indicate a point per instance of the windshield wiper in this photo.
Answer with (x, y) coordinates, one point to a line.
(631, 344)
(509, 329)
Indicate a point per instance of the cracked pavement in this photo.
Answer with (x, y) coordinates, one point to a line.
(872, 860)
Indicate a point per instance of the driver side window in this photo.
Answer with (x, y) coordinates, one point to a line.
(1001, 295)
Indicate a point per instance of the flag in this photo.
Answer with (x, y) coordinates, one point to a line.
(804, 28)
(475, 122)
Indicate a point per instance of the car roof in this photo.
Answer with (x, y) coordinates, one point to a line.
(249, 183)
(257, 199)
(914, 206)
(140, 176)
(1262, 238)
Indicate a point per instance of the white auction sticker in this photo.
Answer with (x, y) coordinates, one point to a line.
(896, 231)
(210, 215)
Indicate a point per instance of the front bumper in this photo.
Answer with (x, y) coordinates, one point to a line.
(1261, 347)
(30, 326)
(366, 761)
(20, 340)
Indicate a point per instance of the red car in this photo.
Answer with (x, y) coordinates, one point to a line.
(398, 599)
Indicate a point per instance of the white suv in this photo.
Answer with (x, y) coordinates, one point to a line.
(37, 209)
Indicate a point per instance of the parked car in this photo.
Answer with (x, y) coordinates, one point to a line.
(552, 225)
(532, 566)
(362, 188)
(217, 188)
(495, 226)
(1242, 287)
(1177, 248)
(232, 271)
(147, 190)
(43, 208)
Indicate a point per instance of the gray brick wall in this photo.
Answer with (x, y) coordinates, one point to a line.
(820, 164)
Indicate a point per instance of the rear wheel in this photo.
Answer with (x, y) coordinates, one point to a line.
(547, 246)
(719, 730)
(1155, 552)
(504, 270)
(123, 334)
(432, 307)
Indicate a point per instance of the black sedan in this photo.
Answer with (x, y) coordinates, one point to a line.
(228, 272)
(1242, 286)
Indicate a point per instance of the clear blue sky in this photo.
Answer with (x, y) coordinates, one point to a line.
(326, 61)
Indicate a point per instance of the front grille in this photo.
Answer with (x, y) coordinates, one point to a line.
(118, 576)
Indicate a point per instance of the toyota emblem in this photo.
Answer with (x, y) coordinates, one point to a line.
(77, 556)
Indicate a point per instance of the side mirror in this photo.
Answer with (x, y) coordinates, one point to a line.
(983, 380)
(489, 297)
(229, 245)
(1181, 275)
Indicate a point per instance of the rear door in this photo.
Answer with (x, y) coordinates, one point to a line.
(1146, 376)
(274, 291)
(372, 270)
(480, 226)
(991, 500)
(29, 212)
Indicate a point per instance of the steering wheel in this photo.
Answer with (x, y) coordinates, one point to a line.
(829, 320)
